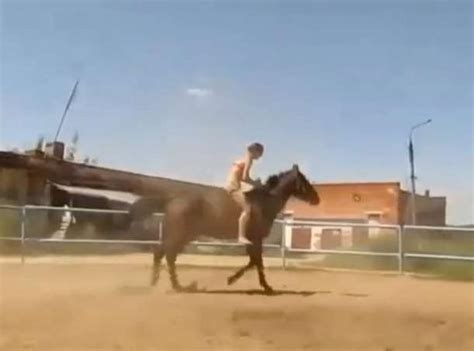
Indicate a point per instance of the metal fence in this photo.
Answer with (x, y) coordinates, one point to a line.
(399, 250)
(294, 224)
(442, 239)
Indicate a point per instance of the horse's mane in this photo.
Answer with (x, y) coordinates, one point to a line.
(274, 180)
(267, 188)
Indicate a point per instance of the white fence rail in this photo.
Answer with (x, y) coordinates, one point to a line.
(439, 256)
(399, 253)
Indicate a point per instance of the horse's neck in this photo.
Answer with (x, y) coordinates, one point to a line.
(278, 207)
(285, 189)
(281, 195)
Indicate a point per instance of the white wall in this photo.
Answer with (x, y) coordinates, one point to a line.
(316, 232)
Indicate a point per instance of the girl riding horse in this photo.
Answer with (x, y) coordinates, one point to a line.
(239, 183)
(215, 214)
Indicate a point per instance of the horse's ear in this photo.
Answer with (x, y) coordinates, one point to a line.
(295, 167)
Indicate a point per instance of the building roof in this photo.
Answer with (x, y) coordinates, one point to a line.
(120, 196)
(418, 195)
(76, 174)
(395, 183)
(333, 220)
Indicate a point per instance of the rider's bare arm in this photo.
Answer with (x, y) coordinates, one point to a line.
(246, 174)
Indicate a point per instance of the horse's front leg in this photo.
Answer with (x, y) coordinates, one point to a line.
(237, 275)
(258, 259)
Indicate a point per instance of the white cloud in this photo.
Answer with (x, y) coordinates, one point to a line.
(199, 92)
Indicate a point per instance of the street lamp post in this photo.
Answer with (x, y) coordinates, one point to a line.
(411, 156)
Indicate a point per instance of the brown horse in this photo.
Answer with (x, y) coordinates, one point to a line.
(215, 214)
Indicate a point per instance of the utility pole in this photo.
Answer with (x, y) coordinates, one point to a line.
(411, 155)
(68, 104)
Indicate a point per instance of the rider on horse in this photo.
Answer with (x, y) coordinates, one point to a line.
(239, 182)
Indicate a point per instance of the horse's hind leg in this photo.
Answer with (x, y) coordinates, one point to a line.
(173, 248)
(171, 261)
(158, 254)
(181, 224)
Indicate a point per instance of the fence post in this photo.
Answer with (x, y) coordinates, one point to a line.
(286, 216)
(23, 233)
(283, 243)
(160, 229)
(400, 249)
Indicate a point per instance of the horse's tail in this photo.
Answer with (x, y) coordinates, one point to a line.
(146, 206)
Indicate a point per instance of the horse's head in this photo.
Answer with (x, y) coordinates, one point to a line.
(291, 183)
(303, 189)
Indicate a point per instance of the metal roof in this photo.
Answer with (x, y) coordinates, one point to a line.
(113, 195)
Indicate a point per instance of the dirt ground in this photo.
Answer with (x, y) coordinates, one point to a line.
(110, 307)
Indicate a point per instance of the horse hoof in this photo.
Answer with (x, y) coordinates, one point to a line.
(269, 290)
(192, 287)
(188, 288)
(153, 281)
(179, 289)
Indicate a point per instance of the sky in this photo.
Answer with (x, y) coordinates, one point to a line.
(179, 88)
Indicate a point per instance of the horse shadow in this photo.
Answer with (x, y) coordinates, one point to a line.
(140, 290)
(134, 290)
(260, 292)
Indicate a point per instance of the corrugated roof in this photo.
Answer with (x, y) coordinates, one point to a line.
(114, 195)
(62, 169)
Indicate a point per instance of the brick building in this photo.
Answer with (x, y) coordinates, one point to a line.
(374, 203)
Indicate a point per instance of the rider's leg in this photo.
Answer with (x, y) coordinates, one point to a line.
(239, 197)
(243, 221)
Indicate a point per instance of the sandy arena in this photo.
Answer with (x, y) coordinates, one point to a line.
(109, 307)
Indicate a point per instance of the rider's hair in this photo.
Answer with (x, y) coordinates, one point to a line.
(255, 147)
